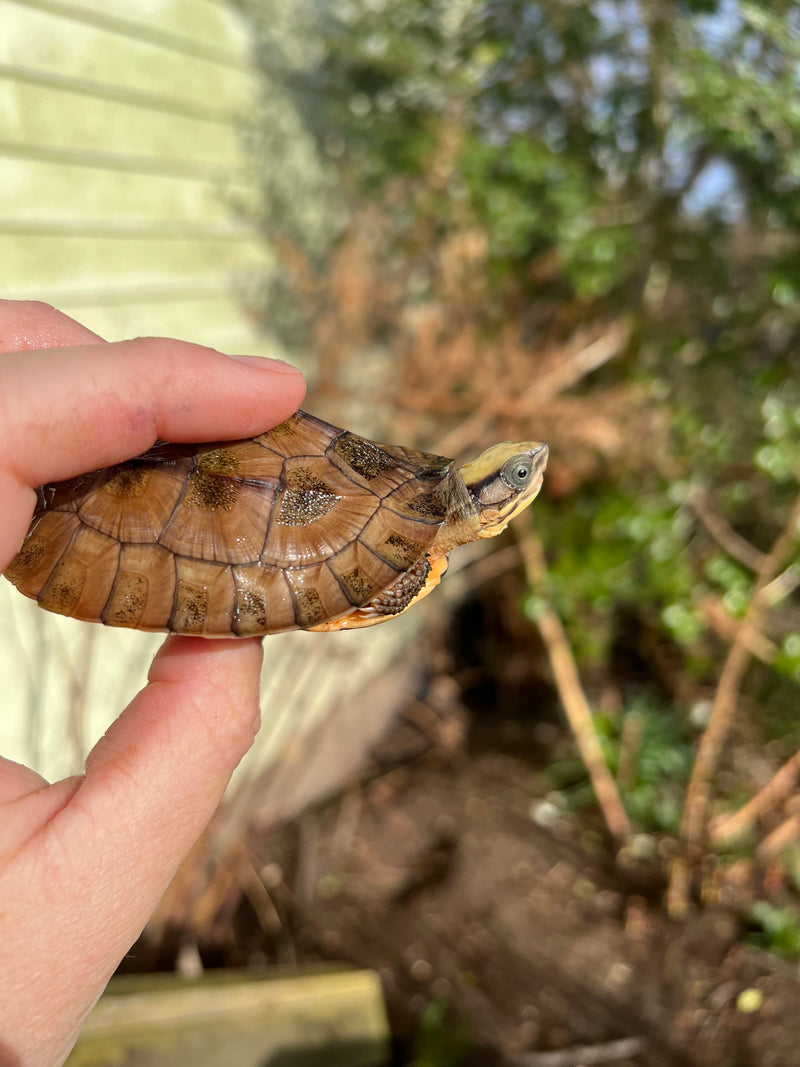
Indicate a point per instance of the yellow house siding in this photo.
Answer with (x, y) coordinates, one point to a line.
(120, 154)
(119, 158)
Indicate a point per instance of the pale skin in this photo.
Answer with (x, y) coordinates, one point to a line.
(84, 861)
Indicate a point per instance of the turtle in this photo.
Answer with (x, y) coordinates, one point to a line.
(306, 526)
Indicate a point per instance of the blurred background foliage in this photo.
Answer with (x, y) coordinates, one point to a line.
(503, 179)
(576, 222)
(487, 220)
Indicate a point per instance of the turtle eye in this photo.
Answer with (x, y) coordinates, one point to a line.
(516, 472)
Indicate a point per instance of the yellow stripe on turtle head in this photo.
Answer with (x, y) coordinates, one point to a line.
(503, 480)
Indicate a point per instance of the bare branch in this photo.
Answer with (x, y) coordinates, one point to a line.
(782, 586)
(726, 697)
(565, 374)
(781, 838)
(577, 1055)
(714, 613)
(773, 794)
(573, 698)
(723, 533)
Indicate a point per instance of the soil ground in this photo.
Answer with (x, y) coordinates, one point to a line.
(506, 931)
(533, 939)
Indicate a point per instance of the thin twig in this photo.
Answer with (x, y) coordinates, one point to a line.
(782, 586)
(573, 698)
(716, 615)
(723, 533)
(577, 1055)
(567, 373)
(574, 367)
(780, 838)
(678, 890)
(630, 745)
(725, 699)
(774, 793)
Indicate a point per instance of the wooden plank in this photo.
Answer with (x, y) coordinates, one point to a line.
(335, 1017)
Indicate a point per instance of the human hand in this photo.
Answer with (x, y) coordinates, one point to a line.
(84, 861)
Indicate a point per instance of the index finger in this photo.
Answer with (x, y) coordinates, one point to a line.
(65, 411)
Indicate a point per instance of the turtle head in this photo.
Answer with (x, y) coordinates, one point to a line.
(503, 480)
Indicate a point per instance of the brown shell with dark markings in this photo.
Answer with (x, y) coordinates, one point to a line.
(284, 531)
(303, 527)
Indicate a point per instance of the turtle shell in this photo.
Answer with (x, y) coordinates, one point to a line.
(301, 525)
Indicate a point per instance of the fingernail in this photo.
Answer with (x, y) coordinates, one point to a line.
(277, 366)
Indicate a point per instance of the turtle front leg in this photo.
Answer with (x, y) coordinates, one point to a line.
(409, 588)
